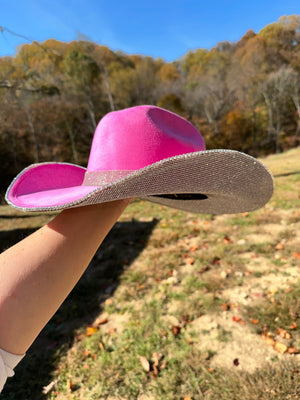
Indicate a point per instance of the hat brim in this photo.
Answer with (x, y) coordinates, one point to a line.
(229, 182)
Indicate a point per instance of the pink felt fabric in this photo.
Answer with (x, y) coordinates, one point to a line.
(48, 185)
(53, 197)
(139, 136)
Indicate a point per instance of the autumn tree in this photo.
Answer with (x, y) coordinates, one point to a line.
(277, 91)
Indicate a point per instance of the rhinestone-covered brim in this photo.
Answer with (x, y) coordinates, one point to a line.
(233, 182)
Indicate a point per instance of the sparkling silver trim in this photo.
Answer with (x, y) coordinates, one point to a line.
(102, 178)
(233, 181)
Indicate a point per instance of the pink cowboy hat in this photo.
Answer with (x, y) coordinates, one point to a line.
(152, 154)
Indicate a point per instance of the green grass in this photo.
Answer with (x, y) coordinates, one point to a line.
(163, 276)
(280, 309)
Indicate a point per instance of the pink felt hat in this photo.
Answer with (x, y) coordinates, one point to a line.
(149, 153)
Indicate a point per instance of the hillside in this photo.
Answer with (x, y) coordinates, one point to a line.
(177, 306)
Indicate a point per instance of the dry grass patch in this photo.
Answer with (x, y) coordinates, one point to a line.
(206, 293)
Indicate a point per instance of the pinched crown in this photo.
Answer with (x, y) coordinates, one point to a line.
(133, 138)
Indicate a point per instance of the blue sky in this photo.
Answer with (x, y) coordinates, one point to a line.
(158, 28)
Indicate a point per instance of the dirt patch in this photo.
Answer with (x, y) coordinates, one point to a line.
(234, 345)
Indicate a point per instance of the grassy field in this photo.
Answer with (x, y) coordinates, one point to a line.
(177, 306)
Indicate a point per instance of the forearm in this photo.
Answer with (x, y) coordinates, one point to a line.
(38, 273)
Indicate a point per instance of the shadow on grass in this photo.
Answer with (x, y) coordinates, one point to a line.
(11, 237)
(287, 174)
(4, 216)
(123, 244)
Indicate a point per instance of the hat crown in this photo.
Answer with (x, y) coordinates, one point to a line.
(133, 138)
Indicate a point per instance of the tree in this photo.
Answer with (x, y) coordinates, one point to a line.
(84, 75)
(276, 92)
(171, 102)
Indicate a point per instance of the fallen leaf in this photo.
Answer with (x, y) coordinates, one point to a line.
(190, 260)
(156, 357)
(227, 240)
(255, 321)
(236, 362)
(296, 254)
(155, 370)
(204, 269)
(268, 337)
(223, 274)
(187, 398)
(101, 345)
(283, 333)
(272, 291)
(145, 363)
(193, 248)
(293, 350)
(50, 387)
(90, 330)
(86, 353)
(238, 319)
(269, 340)
(69, 385)
(176, 330)
(216, 261)
(184, 319)
(293, 326)
(102, 319)
(279, 246)
(280, 347)
(108, 302)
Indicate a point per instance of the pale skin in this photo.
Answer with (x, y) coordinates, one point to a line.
(39, 272)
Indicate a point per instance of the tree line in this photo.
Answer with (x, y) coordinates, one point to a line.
(243, 95)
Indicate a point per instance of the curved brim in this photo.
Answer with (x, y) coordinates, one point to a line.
(229, 182)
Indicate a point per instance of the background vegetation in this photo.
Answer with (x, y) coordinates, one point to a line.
(243, 95)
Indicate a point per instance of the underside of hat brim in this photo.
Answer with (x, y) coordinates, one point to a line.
(230, 181)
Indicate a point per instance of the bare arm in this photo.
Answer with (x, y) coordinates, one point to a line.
(38, 273)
